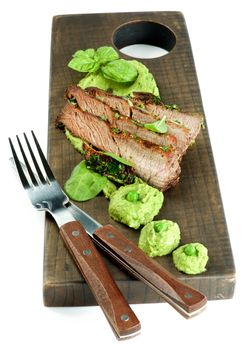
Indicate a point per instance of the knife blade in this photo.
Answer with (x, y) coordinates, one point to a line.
(185, 299)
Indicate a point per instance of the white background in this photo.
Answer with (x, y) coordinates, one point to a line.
(25, 29)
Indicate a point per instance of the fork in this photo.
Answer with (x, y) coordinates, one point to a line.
(46, 194)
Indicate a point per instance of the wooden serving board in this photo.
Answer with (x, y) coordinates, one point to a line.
(195, 203)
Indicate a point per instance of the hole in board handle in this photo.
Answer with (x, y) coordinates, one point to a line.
(144, 39)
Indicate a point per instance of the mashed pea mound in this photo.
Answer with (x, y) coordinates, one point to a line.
(145, 82)
(135, 205)
(159, 238)
(191, 258)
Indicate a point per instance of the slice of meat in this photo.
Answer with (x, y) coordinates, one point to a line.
(181, 133)
(147, 108)
(117, 103)
(176, 131)
(90, 104)
(167, 142)
(150, 162)
(191, 121)
(140, 99)
(88, 127)
(115, 124)
(177, 137)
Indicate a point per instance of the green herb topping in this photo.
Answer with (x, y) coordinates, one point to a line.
(115, 130)
(105, 60)
(109, 165)
(172, 106)
(72, 101)
(118, 158)
(141, 106)
(165, 148)
(157, 99)
(158, 126)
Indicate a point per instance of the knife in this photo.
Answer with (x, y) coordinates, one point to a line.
(185, 299)
(45, 194)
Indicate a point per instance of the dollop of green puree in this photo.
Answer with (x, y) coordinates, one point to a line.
(144, 82)
(191, 258)
(159, 238)
(135, 205)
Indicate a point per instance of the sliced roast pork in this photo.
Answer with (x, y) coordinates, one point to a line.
(150, 162)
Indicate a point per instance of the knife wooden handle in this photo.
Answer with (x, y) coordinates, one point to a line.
(181, 296)
(107, 294)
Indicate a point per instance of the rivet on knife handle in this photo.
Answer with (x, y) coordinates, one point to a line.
(118, 312)
(185, 299)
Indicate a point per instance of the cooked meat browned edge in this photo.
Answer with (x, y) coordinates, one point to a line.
(192, 121)
(120, 122)
(151, 163)
(146, 108)
(101, 103)
(117, 103)
(176, 129)
(115, 124)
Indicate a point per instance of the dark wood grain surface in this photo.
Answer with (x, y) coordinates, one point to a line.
(195, 203)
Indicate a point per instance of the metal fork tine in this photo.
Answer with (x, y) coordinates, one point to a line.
(31, 174)
(22, 176)
(41, 177)
(44, 161)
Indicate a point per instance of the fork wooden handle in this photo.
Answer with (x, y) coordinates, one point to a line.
(181, 296)
(107, 294)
